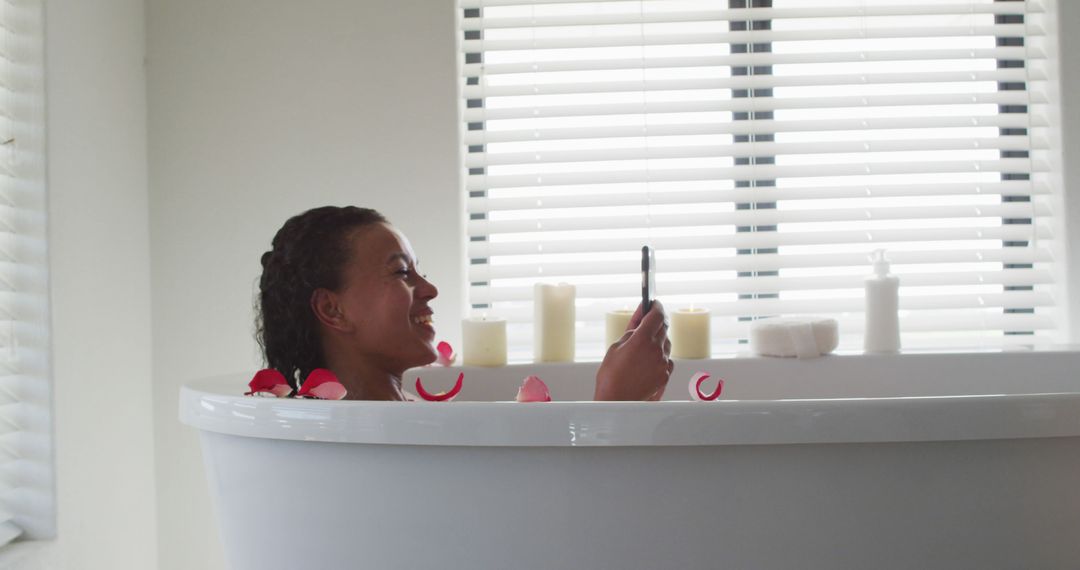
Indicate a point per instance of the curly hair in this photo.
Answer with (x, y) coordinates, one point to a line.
(307, 253)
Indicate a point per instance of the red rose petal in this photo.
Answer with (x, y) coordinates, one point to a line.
(443, 396)
(268, 380)
(318, 377)
(695, 387)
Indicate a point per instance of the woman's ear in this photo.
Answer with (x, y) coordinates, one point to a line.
(327, 308)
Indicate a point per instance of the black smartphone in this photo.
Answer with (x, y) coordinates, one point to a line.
(648, 279)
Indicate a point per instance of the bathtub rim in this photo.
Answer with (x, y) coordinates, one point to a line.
(212, 404)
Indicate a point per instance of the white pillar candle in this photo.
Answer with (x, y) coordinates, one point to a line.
(553, 325)
(484, 342)
(616, 322)
(690, 333)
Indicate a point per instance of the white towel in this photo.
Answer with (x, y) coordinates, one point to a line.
(804, 337)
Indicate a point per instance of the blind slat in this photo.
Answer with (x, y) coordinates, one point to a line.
(743, 14)
(760, 217)
(643, 197)
(481, 160)
(851, 327)
(473, 4)
(595, 312)
(756, 36)
(751, 82)
(8, 531)
(1029, 52)
(765, 285)
(762, 262)
(601, 244)
(1015, 121)
(904, 7)
(752, 172)
(752, 104)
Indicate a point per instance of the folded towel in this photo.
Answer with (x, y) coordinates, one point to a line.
(804, 337)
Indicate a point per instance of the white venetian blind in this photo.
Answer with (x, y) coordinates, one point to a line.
(765, 149)
(26, 482)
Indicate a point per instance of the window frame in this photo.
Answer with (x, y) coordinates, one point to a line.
(1062, 300)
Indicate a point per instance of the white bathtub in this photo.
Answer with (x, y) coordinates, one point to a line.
(902, 461)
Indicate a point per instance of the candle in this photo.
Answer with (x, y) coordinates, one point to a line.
(553, 324)
(616, 322)
(690, 333)
(484, 342)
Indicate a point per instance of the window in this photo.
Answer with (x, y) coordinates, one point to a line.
(26, 484)
(765, 148)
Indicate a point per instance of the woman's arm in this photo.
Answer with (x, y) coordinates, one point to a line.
(637, 366)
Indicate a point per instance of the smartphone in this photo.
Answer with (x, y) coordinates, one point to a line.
(648, 278)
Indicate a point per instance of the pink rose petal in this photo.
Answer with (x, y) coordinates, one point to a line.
(269, 381)
(329, 391)
(281, 390)
(317, 379)
(442, 396)
(533, 389)
(695, 388)
(446, 354)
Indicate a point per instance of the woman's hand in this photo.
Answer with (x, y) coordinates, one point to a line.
(637, 366)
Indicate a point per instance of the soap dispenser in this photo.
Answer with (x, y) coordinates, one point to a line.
(882, 308)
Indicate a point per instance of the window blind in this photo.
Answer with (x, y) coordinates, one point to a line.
(764, 148)
(26, 481)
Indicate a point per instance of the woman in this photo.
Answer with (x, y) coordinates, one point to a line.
(340, 290)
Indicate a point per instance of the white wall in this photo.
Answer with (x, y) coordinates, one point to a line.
(260, 109)
(100, 284)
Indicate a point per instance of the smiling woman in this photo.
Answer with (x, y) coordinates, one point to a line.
(340, 290)
(305, 256)
(378, 324)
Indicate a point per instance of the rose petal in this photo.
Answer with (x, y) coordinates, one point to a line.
(281, 390)
(533, 389)
(329, 391)
(316, 378)
(268, 380)
(442, 396)
(695, 387)
(446, 354)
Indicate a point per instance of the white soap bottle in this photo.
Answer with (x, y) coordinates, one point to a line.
(882, 308)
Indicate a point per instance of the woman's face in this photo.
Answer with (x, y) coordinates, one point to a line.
(385, 300)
